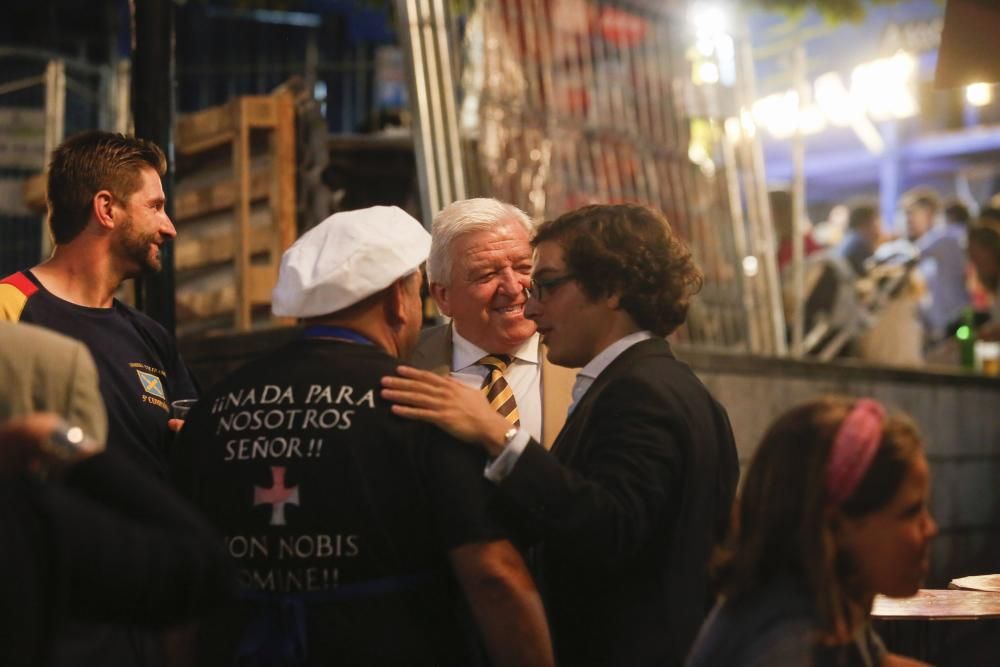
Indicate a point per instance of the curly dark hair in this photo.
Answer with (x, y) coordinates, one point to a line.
(89, 162)
(862, 215)
(629, 250)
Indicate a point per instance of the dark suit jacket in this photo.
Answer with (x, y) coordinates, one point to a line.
(630, 501)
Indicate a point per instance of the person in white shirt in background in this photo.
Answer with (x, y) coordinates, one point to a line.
(942, 244)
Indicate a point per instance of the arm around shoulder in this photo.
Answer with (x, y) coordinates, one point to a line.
(625, 473)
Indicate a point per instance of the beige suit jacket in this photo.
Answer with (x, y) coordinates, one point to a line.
(434, 352)
(41, 370)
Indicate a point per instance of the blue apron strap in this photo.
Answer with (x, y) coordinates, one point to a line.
(276, 635)
(337, 333)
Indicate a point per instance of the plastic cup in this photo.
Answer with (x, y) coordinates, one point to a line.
(987, 355)
(179, 409)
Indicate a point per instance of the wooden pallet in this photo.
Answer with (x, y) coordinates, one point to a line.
(234, 210)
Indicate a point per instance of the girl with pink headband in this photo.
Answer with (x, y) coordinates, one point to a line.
(833, 511)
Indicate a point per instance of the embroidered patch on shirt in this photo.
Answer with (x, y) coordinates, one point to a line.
(151, 384)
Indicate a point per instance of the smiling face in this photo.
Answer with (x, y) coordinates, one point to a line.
(145, 226)
(890, 546)
(486, 292)
(574, 328)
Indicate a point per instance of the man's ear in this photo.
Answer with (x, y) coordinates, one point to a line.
(614, 301)
(441, 296)
(103, 209)
(395, 303)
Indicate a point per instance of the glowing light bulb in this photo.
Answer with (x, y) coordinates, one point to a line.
(979, 94)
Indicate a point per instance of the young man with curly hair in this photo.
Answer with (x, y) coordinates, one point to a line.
(638, 486)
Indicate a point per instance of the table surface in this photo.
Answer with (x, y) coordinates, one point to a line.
(979, 582)
(938, 605)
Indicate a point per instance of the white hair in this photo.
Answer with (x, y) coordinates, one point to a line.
(462, 217)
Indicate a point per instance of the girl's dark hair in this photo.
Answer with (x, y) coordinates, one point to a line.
(783, 526)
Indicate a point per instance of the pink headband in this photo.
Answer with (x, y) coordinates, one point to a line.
(853, 449)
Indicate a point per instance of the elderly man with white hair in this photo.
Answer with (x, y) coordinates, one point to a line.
(350, 526)
(479, 270)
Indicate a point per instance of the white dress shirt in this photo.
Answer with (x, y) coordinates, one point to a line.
(501, 466)
(524, 375)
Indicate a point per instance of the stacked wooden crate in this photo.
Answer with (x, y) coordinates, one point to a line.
(234, 210)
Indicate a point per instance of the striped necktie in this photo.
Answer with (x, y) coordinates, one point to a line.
(496, 389)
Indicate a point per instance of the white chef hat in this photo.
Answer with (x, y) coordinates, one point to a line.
(347, 257)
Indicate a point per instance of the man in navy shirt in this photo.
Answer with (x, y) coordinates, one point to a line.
(352, 529)
(107, 217)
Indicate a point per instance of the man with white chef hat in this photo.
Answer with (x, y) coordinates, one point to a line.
(348, 524)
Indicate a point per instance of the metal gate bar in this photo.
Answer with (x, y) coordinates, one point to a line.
(585, 101)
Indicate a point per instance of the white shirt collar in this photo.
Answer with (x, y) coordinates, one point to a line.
(465, 354)
(597, 365)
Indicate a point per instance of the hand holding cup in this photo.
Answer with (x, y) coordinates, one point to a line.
(179, 410)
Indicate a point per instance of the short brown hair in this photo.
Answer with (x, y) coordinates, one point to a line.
(923, 197)
(958, 213)
(89, 162)
(629, 250)
(862, 215)
(782, 528)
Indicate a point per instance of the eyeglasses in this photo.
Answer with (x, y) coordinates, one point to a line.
(542, 289)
